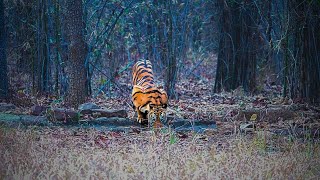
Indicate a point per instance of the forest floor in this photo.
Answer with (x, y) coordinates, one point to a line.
(257, 137)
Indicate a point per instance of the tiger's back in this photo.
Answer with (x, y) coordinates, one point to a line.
(149, 101)
(142, 74)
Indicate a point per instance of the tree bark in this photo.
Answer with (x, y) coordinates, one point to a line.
(171, 72)
(77, 51)
(305, 77)
(238, 47)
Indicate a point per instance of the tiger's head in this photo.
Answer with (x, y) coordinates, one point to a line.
(151, 105)
(157, 115)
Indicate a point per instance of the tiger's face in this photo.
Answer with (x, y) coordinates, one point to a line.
(157, 115)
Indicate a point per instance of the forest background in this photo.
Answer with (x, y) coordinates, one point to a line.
(249, 68)
(79, 49)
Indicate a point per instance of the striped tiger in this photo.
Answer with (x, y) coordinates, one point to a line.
(149, 101)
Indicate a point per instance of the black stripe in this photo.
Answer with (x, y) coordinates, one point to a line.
(140, 67)
(143, 70)
(143, 65)
(144, 104)
(136, 76)
(137, 93)
(154, 97)
(143, 78)
(138, 73)
(144, 81)
(154, 91)
(149, 86)
(146, 77)
(146, 86)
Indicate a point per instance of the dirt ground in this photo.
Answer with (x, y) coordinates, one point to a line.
(257, 137)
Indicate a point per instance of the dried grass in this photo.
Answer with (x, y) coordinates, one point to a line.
(76, 154)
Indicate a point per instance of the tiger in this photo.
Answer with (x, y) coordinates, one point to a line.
(149, 101)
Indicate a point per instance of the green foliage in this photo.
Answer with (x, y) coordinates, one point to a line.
(260, 142)
(173, 138)
(103, 81)
(242, 104)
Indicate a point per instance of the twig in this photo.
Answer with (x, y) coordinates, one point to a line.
(124, 94)
(194, 68)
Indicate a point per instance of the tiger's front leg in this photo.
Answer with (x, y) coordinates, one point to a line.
(142, 117)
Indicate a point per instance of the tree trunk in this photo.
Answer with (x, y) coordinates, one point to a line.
(3, 59)
(77, 51)
(57, 35)
(305, 76)
(171, 73)
(226, 50)
(238, 47)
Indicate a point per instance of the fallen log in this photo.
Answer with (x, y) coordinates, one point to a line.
(26, 120)
(6, 107)
(271, 115)
(111, 123)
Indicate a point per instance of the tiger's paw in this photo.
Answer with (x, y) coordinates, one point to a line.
(142, 121)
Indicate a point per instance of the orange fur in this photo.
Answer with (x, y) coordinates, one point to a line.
(146, 97)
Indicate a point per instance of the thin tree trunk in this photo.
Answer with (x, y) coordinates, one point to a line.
(3, 58)
(172, 64)
(58, 47)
